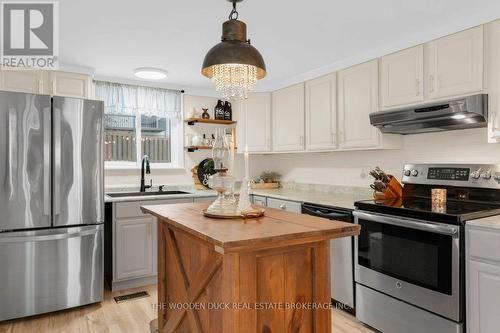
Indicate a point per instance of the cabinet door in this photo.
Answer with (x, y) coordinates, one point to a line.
(492, 78)
(483, 293)
(455, 64)
(288, 118)
(321, 113)
(70, 84)
(135, 248)
(258, 200)
(257, 113)
(358, 91)
(27, 81)
(402, 75)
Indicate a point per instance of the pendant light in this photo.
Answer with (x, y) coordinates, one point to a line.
(234, 65)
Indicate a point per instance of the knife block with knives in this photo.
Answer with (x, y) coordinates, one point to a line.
(385, 186)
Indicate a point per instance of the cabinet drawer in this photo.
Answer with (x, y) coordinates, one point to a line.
(290, 206)
(483, 244)
(258, 200)
(133, 209)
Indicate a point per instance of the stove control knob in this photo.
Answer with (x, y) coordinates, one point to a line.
(414, 173)
(496, 176)
(486, 174)
(407, 172)
(476, 174)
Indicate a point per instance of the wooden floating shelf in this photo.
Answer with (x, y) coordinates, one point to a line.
(194, 148)
(192, 121)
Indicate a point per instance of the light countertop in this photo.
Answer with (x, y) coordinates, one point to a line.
(492, 222)
(342, 198)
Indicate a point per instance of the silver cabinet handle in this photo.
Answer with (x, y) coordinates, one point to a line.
(301, 138)
(61, 235)
(408, 223)
(283, 206)
(417, 86)
(46, 161)
(12, 148)
(431, 83)
(57, 161)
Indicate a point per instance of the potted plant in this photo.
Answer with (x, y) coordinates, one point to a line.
(266, 180)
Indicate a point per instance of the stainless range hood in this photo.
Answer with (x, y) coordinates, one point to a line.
(461, 113)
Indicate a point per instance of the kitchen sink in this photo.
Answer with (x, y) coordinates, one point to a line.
(144, 194)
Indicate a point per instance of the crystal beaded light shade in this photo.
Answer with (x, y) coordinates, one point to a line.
(234, 81)
(234, 65)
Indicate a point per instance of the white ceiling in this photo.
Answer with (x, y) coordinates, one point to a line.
(298, 39)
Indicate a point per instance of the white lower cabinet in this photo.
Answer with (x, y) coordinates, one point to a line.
(136, 248)
(258, 200)
(483, 279)
(135, 243)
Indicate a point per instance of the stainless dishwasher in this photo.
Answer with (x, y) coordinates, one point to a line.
(341, 256)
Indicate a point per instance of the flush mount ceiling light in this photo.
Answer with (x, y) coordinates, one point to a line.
(234, 65)
(150, 73)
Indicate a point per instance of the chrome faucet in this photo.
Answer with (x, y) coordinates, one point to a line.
(145, 165)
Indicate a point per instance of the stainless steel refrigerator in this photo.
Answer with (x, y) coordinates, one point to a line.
(51, 203)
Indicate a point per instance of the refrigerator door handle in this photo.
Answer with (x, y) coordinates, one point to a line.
(12, 159)
(64, 234)
(57, 161)
(46, 161)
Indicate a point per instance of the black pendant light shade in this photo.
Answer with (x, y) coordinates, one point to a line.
(234, 49)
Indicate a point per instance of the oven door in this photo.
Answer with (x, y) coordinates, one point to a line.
(413, 260)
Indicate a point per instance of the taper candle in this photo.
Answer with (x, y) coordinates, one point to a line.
(246, 164)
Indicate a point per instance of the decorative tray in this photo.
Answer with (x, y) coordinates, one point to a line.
(249, 214)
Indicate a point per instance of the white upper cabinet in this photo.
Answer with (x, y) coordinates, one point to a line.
(27, 81)
(70, 84)
(321, 113)
(358, 97)
(256, 112)
(402, 76)
(454, 64)
(492, 79)
(288, 118)
(46, 82)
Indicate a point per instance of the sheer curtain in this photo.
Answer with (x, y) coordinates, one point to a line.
(124, 99)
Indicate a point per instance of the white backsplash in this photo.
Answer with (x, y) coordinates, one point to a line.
(351, 168)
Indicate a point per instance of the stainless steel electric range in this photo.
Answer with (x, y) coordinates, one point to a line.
(409, 257)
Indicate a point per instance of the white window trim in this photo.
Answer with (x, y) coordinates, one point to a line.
(177, 148)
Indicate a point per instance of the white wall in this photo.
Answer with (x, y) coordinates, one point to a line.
(351, 168)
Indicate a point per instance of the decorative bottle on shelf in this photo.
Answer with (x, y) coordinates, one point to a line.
(219, 110)
(205, 114)
(228, 111)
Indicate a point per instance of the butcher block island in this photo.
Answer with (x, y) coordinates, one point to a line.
(265, 275)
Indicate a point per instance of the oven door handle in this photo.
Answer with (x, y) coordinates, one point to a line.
(409, 223)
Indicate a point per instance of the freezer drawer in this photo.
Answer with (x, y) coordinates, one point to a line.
(49, 270)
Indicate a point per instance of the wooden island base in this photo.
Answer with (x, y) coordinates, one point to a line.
(269, 275)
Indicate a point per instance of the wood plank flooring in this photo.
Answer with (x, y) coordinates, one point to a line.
(128, 317)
